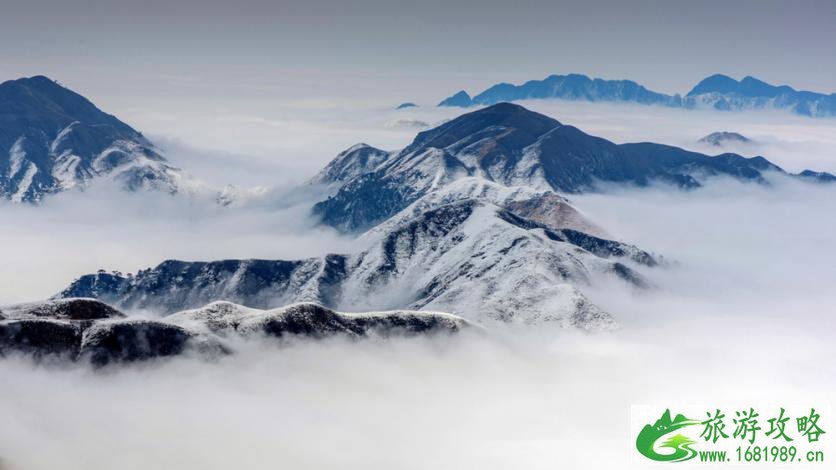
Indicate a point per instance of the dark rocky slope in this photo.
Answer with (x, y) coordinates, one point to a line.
(89, 330)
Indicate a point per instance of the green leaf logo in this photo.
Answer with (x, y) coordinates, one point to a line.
(665, 426)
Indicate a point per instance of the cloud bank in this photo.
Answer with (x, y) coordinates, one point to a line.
(743, 315)
(43, 248)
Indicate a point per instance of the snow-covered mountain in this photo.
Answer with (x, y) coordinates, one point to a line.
(467, 219)
(724, 138)
(717, 92)
(510, 145)
(86, 329)
(352, 162)
(469, 257)
(52, 139)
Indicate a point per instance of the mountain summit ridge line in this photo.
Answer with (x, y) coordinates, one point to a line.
(719, 92)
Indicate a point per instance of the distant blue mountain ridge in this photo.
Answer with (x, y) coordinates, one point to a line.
(718, 92)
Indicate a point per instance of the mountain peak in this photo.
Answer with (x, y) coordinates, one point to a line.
(460, 99)
(721, 138)
(509, 115)
(43, 103)
(507, 144)
(524, 125)
(33, 80)
(575, 86)
(748, 87)
(54, 139)
(41, 85)
(717, 91)
(751, 86)
(350, 163)
(717, 83)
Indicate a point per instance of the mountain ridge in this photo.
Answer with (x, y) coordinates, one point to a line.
(454, 257)
(719, 92)
(510, 145)
(468, 219)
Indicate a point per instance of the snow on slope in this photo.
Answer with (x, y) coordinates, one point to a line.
(448, 232)
(512, 146)
(478, 260)
(545, 207)
(468, 257)
(55, 140)
(225, 318)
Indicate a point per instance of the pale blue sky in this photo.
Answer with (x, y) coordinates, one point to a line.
(319, 49)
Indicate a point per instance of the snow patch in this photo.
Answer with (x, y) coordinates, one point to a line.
(25, 183)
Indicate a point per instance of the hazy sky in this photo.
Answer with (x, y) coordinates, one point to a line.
(125, 51)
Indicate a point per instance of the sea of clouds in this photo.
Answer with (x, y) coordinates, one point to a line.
(743, 314)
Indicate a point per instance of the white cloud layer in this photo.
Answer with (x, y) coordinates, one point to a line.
(744, 315)
(44, 248)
